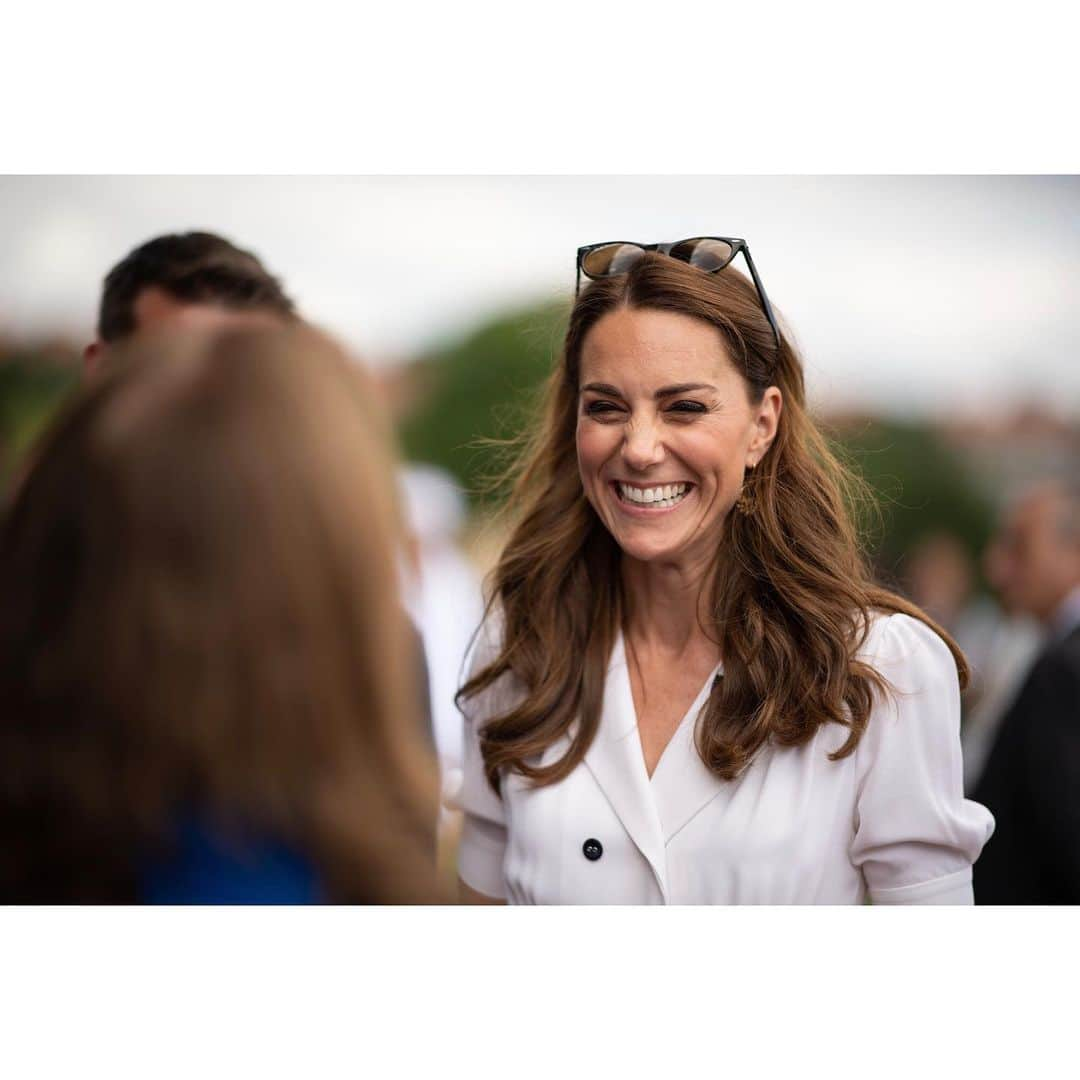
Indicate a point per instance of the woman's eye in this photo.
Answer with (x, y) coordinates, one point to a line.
(596, 408)
(688, 407)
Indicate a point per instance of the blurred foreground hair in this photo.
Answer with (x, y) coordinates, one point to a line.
(793, 594)
(200, 612)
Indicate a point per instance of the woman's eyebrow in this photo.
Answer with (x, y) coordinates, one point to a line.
(682, 388)
(663, 392)
(601, 388)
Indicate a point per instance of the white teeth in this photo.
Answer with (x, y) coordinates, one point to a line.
(664, 496)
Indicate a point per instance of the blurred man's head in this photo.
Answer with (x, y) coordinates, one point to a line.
(192, 280)
(939, 576)
(1034, 561)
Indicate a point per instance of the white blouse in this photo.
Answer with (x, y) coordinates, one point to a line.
(888, 821)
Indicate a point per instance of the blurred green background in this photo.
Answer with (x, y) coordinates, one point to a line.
(33, 383)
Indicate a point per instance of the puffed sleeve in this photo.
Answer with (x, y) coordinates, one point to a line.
(483, 834)
(916, 836)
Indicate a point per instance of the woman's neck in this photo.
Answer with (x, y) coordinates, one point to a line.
(662, 602)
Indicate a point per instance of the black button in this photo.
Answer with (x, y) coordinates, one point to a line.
(593, 849)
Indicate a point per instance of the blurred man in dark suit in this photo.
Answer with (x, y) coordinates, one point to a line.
(1031, 782)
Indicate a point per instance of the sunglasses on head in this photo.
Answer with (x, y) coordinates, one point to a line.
(707, 253)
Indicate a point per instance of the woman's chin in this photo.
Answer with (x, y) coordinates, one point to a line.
(651, 550)
(649, 546)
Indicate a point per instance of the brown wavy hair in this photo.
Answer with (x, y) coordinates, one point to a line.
(200, 614)
(793, 593)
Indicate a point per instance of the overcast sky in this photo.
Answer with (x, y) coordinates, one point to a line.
(904, 293)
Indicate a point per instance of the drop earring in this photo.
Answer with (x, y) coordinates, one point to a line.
(744, 504)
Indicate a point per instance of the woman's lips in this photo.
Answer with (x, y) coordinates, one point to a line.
(648, 510)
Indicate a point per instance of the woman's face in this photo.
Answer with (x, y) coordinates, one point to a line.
(665, 432)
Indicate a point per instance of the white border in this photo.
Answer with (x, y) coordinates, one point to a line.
(564, 87)
(537, 993)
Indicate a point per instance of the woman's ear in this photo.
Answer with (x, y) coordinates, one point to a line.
(92, 358)
(766, 422)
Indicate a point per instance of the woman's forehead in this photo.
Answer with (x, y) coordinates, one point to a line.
(644, 347)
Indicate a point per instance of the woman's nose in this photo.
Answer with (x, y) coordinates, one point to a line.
(642, 446)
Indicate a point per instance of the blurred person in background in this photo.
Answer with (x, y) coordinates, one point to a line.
(183, 281)
(444, 595)
(1031, 781)
(940, 577)
(206, 690)
(689, 688)
(191, 281)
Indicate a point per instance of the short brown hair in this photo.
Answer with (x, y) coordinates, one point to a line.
(199, 267)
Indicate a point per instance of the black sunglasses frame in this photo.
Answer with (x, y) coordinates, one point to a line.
(735, 243)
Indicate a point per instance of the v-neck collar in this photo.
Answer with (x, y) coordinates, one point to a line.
(652, 809)
(687, 723)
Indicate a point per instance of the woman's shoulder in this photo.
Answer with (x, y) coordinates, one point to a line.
(897, 640)
(919, 703)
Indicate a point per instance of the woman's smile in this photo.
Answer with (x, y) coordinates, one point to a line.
(651, 500)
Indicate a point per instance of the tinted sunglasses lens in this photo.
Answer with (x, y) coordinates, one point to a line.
(611, 259)
(705, 254)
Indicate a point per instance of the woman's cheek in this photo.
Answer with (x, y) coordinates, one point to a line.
(590, 449)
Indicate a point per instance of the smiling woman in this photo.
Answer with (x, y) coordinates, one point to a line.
(688, 688)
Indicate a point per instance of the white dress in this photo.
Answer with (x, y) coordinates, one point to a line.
(889, 821)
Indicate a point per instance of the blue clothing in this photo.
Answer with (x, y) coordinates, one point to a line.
(208, 866)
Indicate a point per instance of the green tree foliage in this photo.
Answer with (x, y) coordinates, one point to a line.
(483, 387)
(30, 393)
(921, 487)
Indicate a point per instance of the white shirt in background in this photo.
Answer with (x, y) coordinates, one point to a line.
(444, 599)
